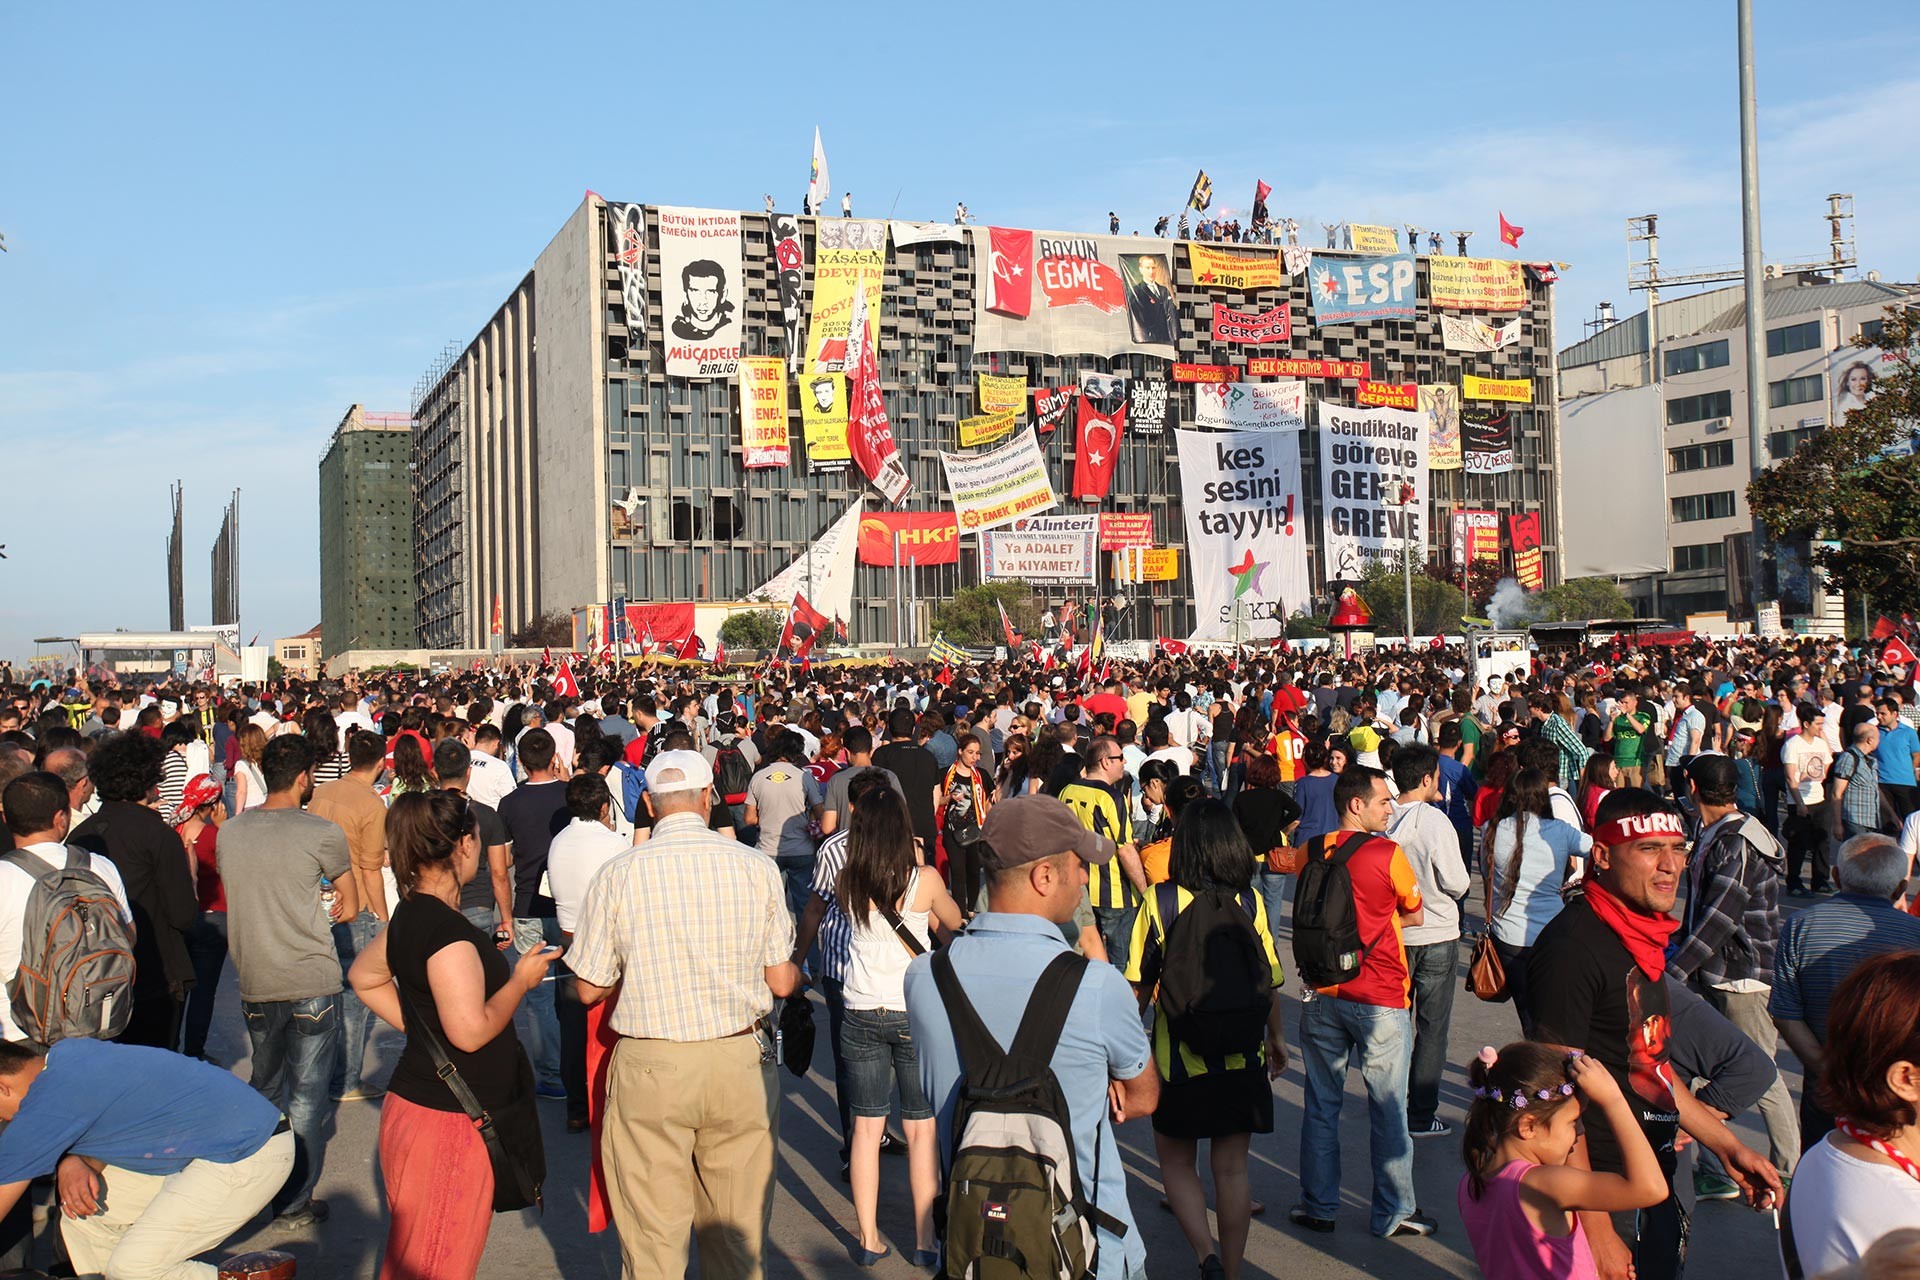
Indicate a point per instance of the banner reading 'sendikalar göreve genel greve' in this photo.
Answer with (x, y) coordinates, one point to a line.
(1373, 485)
(1246, 530)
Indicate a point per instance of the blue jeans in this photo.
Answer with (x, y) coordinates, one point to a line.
(833, 990)
(1116, 931)
(543, 1024)
(1216, 778)
(295, 1043)
(1434, 979)
(878, 1051)
(356, 1020)
(1333, 1032)
(207, 947)
(1275, 889)
(796, 876)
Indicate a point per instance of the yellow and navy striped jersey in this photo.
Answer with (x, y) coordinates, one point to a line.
(1175, 1060)
(1101, 812)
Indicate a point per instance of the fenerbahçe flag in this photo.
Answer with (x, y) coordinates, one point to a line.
(1246, 532)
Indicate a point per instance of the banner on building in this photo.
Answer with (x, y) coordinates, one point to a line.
(923, 537)
(1146, 564)
(823, 421)
(999, 486)
(988, 427)
(1051, 405)
(627, 229)
(1855, 375)
(1355, 290)
(1250, 406)
(1072, 295)
(1523, 528)
(998, 394)
(1042, 549)
(1476, 538)
(1486, 435)
(1291, 367)
(1464, 333)
(1373, 486)
(1480, 284)
(1368, 238)
(1441, 403)
(849, 256)
(1102, 422)
(869, 433)
(1246, 534)
(1512, 390)
(1120, 529)
(701, 288)
(1203, 373)
(763, 411)
(791, 262)
(1275, 324)
(906, 234)
(1389, 395)
(1235, 268)
(1147, 406)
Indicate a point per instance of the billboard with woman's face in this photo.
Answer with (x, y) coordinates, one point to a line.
(1855, 375)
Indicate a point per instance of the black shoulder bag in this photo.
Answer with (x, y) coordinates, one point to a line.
(512, 1135)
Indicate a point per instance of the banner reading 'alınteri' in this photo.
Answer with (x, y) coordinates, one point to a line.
(1245, 534)
(1373, 486)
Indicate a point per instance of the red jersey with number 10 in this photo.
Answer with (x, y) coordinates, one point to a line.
(1288, 748)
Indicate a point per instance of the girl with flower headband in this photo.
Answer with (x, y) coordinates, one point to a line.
(1519, 1198)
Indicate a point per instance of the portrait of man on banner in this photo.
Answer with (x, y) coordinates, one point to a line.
(1151, 312)
(1105, 392)
(1441, 403)
(704, 308)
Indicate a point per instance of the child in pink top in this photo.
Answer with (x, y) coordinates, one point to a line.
(1519, 1199)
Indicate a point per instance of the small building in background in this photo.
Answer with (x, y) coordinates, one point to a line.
(300, 655)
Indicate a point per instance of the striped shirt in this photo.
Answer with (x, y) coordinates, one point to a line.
(1860, 801)
(1822, 944)
(689, 920)
(1101, 812)
(836, 931)
(1176, 1061)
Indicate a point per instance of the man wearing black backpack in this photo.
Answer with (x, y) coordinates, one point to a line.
(1355, 894)
(1060, 1035)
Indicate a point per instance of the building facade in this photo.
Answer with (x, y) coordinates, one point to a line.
(301, 656)
(1699, 362)
(558, 465)
(366, 533)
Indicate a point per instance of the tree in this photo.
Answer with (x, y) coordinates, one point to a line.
(1855, 487)
(1306, 626)
(1437, 604)
(757, 629)
(276, 670)
(973, 616)
(1580, 600)
(548, 631)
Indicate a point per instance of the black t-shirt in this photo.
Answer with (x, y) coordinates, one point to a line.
(1068, 771)
(1588, 994)
(534, 814)
(919, 775)
(478, 892)
(498, 1071)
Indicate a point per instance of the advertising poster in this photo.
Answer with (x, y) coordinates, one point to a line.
(1120, 529)
(848, 254)
(1855, 375)
(987, 428)
(923, 537)
(1275, 324)
(1353, 290)
(1388, 395)
(1373, 486)
(700, 288)
(1147, 405)
(1486, 434)
(1250, 406)
(1475, 284)
(1441, 403)
(627, 225)
(1528, 566)
(1235, 268)
(998, 487)
(1102, 421)
(1476, 538)
(823, 421)
(1368, 238)
(1464, 333)
(763, 411)
(999, 394)
(1071, 295)
(1042, 549)
(1051, 405)
(1511, 390)
(1246, 536)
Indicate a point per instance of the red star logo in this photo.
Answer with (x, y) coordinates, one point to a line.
(1329, 285)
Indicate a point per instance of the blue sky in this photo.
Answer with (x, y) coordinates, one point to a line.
(228, 222)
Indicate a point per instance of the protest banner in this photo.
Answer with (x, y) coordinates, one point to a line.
(924, 537)
(1275, 324)
(1051, 405)
(1389, 395)
(1234, 268)
(627, 236)
(1290, 367)
(763, 411)
(701, 290)
(1464, 333)
(1072, 295)
(1120, 529)
(1354, 290)
(1245, 531)
(1042, 549)
(1481, 284)
(1486, 434)
(823, 421)
(1202, 373)
(1514, 390)
(1146, 564)
(1441, 403)
(999, 486)
(849, 255)
(987, 428)
(1368, 238)
(790, 261)
(999, 394)
(1523, 527)
(1147, 406)
(908, 234)
(1373, 486)
(1476, 538)
(1251, 406)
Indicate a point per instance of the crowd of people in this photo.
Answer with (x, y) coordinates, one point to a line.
(1035, 903)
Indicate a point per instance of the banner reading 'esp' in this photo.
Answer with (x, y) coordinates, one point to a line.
(1348, 290)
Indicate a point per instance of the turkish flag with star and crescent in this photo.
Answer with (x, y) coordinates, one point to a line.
(804, 624)
(1097, 447)
(1010, 282)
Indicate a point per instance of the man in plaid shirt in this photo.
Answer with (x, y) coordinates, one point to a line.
(1856, 785)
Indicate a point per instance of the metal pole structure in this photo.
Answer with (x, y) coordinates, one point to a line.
(1406, 569)
(896, 590)
(1756, 307)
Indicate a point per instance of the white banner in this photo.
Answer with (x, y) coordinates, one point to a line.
(1250, 406)
(1043, 549)
(1001, 485)
(1246, 531)
(1464, 333)
(1373, 486)
(701, 287)
(911, 233)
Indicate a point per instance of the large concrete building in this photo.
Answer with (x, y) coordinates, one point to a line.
(1698, 360)
(557, 465)
(366, 534)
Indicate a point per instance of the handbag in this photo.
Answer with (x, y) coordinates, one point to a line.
(512, 1133)
(1486, 973)
(1286, 859)
(797, 1033)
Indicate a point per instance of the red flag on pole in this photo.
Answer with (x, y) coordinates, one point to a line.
(1010, 275)
(719, 653)
(1510, 234)
(1096, 450)
(564, 685)
(804, 623)
(1883, 627)
(1897, 653)
(692, 647)
(946, 674)
(1006, 627)
(546, 655)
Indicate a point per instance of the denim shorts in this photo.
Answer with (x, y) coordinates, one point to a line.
(878, 1051)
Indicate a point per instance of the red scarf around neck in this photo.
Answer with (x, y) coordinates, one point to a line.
(1643, 933)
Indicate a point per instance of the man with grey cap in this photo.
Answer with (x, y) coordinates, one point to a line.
(1035, 857)
(692, 928)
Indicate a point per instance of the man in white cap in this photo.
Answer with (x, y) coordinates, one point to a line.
(695, 925)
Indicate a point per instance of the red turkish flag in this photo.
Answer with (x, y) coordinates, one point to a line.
(564, 685)
(1897, 653)
(1010, 273)
(869, 434)
(1173, 648)
(1097, 449)
(1510, 234)
(692, 647)
(946, 674)
(804, 623)
(719, 653)
(1883, 627)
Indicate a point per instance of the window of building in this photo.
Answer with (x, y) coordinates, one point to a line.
(1872, 329)
(1705, 355)
(1788, 339)
(1700, 408)
(1797, 390)
(296, 653)
(1699, 457)
(1701, 555)
(1781, 444)
(1703, 506)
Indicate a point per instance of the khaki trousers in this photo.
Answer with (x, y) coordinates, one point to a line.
(691, 1136)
